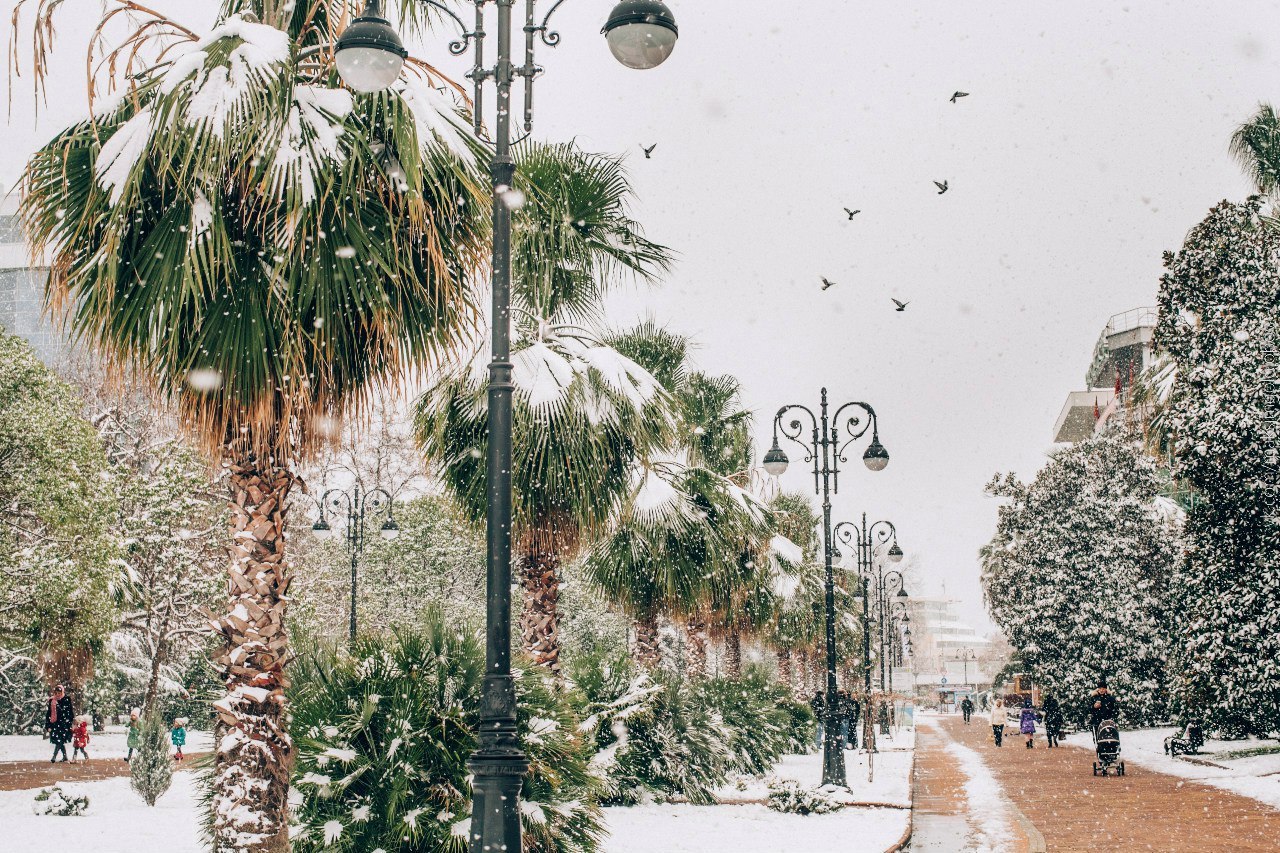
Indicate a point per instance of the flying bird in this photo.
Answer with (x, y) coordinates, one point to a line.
(852, 213)
(942, 187)
(648, 151)
(959, 95)
(826, 283)
(902, 306)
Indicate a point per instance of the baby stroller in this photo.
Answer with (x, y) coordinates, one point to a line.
(1106, 743)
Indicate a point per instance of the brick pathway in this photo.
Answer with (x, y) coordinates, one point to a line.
(1075, 811)
(17, 775)
(941, 819)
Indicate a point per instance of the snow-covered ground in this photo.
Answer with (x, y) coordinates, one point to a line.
(892, 777)
(108, 744)
(117, 821)
(748, 827)
(1256, 776)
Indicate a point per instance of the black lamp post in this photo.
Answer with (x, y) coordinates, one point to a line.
(369, 55)
(865, 539)
(356, 505)
(966, 655)
(825, 450)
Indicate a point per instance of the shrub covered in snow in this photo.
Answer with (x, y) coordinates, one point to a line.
(150, 770)
(56, 801)
(383, 736)
(751, 719)
(660, 735)
(788, 795)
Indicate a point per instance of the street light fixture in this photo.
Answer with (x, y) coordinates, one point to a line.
(825, 449)
(641, 34)
(865, 539)
(357, 505)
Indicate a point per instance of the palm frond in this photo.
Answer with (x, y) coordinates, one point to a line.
(1255, 145)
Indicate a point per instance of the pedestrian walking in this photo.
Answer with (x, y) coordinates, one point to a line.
(1053, 720)
(855, 714)
(1027, 722)
(178, 736)
(135, 733)
(998, 718)
(80, 738)
(58, 717)
(818, 704)
(966, 708)
(1102, 705)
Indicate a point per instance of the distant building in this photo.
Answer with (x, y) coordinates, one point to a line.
(941, 640)
(21, 288)
(1122, 352)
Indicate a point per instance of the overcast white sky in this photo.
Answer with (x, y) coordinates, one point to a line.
(1095, 136)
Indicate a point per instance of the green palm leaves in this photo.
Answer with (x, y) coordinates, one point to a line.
(265, 245)
(1256, 147)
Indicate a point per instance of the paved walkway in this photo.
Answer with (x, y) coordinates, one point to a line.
(17, 775)
(1074, 811)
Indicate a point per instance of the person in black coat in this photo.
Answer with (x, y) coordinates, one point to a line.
(818, 704)
(1053, 720)
(58, 717)
(1102, 705)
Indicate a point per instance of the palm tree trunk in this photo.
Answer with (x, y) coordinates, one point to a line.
(255, 755)
(733, 654)
(695, 631)
(648, 648)
(540, 619)
(802, 674)
(785, 671)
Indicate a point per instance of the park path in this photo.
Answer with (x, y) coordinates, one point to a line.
(1075, 811)
(19, 775)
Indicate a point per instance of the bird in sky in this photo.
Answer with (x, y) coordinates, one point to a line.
(942, 187)
(959, 95)
(827, 283)
(852, 213)
(902, 306)
(648, 151)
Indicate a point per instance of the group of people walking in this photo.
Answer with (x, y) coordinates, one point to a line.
(1101, 706)
(848, 712)
(63, 726)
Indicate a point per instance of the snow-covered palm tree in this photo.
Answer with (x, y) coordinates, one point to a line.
(583, 411)
(268, 249)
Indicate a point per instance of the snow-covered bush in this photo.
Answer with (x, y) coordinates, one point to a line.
(788, 795)
(383, 736)
(150, 770)
(656, 737)
(1220, 323)
(660, 735)
(56, 801)
(1078, 572)
(750, 719)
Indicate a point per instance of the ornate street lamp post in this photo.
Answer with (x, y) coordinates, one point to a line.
(865, 539)
(825, 450)
(966, 655)
(356, 505)
(369, 55)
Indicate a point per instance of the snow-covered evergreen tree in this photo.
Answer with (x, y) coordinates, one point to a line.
(150, 770)
(1077, 574)
(1220, 322)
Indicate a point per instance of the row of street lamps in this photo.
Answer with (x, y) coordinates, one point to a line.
(825, 449)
